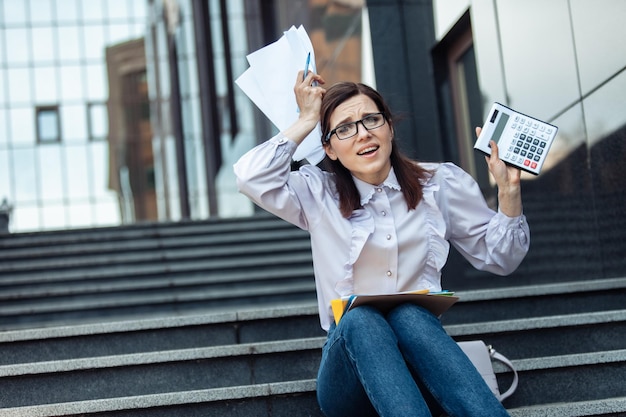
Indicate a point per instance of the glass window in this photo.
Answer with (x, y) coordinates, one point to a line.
(48, 124)
(80, 214)
(50, 163)
(118, 9)
(71, 83)
(98, 121)
(69, 40)
(46, 85)
(43, 45)
(41, 11)
(74, 123)
(22, 126)
(19, 85)
(4, 139)
(14, 12)
(108, 211)
(77, 171)
(119, 33)
(17, 46)
(97, 83)
(5, 178)
(139, 10)
(598, 28)
(93, 10)
(54, 216)
(95, 41)
(26, 218)
(67, 10)
(3, 100)
(552, 84)
(24, 175)
(99, 162)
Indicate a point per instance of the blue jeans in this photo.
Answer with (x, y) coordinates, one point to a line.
(399, 364)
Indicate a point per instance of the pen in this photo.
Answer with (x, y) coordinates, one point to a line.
(306, 66)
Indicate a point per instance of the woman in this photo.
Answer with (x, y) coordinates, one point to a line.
(380, 223)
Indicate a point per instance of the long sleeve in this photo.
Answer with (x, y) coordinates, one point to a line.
(489, 240)
(264, 175)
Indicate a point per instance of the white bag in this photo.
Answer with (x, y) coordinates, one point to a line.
(481, 356)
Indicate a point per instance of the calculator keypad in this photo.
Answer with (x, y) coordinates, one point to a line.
(528, 141)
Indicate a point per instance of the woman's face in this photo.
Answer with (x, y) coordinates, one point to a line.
(366, 154)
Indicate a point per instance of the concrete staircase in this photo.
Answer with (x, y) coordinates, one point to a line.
(218, 318)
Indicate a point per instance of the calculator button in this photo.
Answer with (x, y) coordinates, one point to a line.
(542, 144)
(533, 165)
(520, 143)
(535, 125)
(537, 158)
(529, 139)
(530, 155)
(522, 136)
(526, 162)
(526, 146)
(542, 128)
(523, 153)
(516, 150)
(514, 125)
(536, 142)
(539, 151)
(533, 148)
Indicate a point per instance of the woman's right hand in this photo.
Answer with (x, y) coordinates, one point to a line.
(309, 95)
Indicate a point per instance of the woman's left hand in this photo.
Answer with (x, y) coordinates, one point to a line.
(507, 179)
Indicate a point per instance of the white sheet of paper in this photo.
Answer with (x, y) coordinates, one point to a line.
(269, 82)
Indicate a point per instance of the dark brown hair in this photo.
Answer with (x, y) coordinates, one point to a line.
(409, 174)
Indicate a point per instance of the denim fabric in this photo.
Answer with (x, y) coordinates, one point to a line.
(394, 365)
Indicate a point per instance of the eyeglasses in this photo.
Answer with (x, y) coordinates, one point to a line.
(347, 130)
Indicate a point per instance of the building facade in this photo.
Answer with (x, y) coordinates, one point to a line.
(119, 111)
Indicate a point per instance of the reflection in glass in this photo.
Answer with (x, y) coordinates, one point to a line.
(107, 211)
(24, 175)
(50, 165)
(22, 126)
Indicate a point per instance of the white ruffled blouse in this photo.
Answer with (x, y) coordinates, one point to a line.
(382, 247)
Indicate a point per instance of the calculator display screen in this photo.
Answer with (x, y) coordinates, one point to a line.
(500, 127)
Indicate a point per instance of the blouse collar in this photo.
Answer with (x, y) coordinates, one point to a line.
(366, 190)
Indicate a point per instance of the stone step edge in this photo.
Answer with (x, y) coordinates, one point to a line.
(183, 295)
(272, 347)
(53, 289)
(572, 409)
(299, 310)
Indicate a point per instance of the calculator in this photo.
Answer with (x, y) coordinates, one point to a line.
(523, 141)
